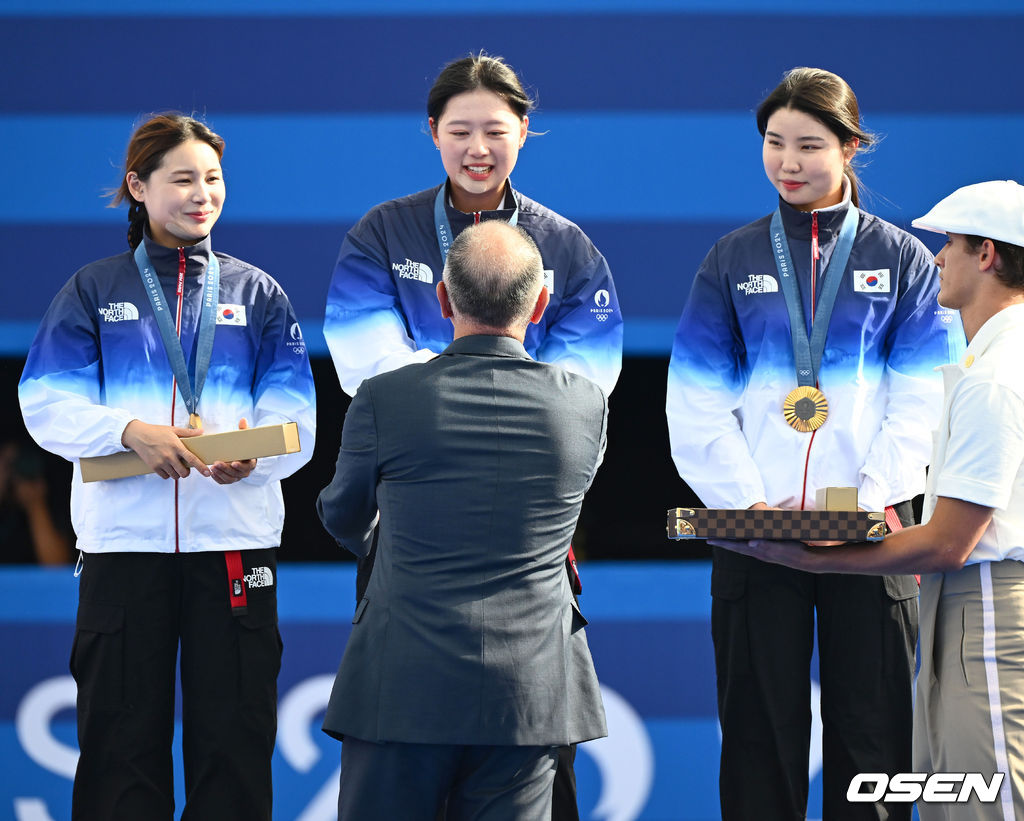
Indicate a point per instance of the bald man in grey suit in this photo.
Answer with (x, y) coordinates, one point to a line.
(468, 664)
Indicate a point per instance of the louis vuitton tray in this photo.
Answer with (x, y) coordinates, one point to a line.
(798, 525)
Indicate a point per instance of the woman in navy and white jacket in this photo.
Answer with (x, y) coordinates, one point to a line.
(382, 311)
(734, 365)
(187, 563)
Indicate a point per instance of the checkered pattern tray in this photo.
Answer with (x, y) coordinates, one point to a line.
(800, 525)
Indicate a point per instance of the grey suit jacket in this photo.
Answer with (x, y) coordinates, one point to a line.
(468, 634)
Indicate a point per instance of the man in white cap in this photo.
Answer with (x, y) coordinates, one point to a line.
(968, 713)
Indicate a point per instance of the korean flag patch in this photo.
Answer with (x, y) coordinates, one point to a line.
(230, 314)
(867, 282)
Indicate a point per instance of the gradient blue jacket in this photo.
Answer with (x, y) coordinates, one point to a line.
(382, 309)
(98, 362)
(732, 366)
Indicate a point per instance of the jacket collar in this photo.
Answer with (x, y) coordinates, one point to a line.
(1010, 317)
(486, 345)
(165, 260)
(797, 224)
(459, 219)
(1006, 319)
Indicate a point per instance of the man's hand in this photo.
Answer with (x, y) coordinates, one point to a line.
(226, 473)
(160, 447)
(791, 554)
(764, 506)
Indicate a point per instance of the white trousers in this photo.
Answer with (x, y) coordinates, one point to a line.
(969, 708)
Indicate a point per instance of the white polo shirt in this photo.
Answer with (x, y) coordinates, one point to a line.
(978, 449)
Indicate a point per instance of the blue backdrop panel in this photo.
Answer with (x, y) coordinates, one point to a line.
(649, 635)
(275, 8)
(681, 166)
(645, 108)
(288, 213)
(667, 61)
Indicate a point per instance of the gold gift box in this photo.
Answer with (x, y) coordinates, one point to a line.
(228, 446)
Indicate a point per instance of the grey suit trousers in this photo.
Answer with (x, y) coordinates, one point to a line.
(393, 780)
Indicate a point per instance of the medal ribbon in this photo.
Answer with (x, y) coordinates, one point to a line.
(445, 238)
(190, 389)
(807, 352)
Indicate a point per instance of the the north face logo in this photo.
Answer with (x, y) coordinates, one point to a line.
(413, 270)
(758, 284)
(259, 577)
(119, 312)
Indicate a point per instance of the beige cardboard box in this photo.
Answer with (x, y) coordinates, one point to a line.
(836, 498)
(229, 446)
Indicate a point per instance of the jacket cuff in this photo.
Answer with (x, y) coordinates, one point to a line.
(873, 495)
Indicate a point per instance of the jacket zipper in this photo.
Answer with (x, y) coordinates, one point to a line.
(815, 256)
(174, 384)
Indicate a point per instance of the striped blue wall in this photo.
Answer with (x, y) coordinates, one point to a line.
(646, 112)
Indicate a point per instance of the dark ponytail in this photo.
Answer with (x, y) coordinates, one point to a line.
(829, 99)
(137, 219)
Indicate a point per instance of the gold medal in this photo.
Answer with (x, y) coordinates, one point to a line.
(805, 409)
(194, 421)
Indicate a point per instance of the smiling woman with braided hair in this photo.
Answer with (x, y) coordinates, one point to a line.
(138, 352)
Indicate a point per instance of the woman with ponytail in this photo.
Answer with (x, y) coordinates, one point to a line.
(382, 311)
(804, 359)
(138, 352)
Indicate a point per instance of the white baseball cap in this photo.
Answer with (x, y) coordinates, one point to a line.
(986, 209)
